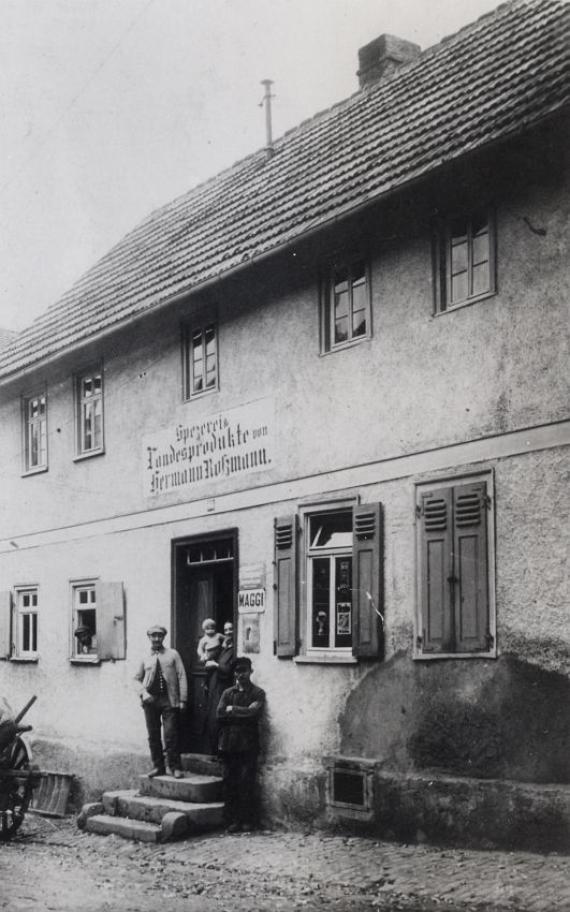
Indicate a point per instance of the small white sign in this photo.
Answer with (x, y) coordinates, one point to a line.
(251, 601)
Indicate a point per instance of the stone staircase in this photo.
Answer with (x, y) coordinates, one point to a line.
(162, 808)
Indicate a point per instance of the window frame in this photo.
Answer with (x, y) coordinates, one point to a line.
(78, 586)
(486, 478)
(95, 370)
(442, 258)
(327, 309)
(189, 330)
(20, 611)
(291, 606)
(309, 554)
(28, 468)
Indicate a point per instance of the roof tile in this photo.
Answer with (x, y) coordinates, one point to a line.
(499, 75)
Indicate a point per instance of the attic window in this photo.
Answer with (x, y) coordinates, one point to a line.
(345, 305)
(200, 358)
(464, 259)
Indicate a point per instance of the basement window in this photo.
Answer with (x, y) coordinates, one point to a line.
(350, 786)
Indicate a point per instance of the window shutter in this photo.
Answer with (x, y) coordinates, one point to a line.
(110, 620)
(436, 571)
(470, 551)
(5, 624)
(367, 581)
(285, 616)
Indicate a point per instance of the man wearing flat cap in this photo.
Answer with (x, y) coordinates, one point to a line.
(163, 691)
(238, 715)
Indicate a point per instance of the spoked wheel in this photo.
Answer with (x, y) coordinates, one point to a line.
(15, 791)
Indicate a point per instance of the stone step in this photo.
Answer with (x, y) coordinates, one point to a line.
(205, 764)
(194, 787)
(105, 824)
(129, 803)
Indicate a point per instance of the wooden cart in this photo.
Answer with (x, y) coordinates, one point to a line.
(17, 777)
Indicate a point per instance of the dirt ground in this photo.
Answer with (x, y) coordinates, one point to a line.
(51, 865)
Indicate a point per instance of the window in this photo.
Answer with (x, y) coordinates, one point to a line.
(465, 260)
(89, 403)
(329, 565)
(200, 360)
(85, 620)
(98, 621)
(26, 623)
(329, 583)
(35, 433)
(455, 569)
(346, 306)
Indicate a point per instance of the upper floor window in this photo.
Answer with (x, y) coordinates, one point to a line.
(345, 305)
(455, 568)
(26, 623)
(200, 354)
(329, 583)
(464, 260)
(35, 433)
(89, 406)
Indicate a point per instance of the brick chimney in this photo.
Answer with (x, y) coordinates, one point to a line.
(382, 56)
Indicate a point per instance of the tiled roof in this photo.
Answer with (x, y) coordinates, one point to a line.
(494, 78)
(6, 336)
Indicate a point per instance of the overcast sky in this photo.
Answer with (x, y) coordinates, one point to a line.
(110, 108)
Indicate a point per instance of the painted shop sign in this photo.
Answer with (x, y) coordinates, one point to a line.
(230, 444)
(251, 600)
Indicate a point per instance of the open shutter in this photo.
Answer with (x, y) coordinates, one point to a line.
(470, 551)
(285, 615)
(110, 620)
(5, 624)
(436, 571)
(367, 581)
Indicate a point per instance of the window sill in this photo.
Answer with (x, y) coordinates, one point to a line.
(81, 456)
(85, 660)
(325, 658)
(194, 396)
(430, 657)
(344, 345)
(25, 659)
(35, 471)
(462, 304)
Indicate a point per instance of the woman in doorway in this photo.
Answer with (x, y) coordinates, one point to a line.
(220, 677)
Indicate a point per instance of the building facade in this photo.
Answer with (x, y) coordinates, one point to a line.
(348, 434)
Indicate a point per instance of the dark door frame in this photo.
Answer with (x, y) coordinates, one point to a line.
(176, 543)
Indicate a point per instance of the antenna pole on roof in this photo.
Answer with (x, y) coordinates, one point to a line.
(267, 102)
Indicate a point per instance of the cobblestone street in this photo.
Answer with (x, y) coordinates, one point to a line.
(54, 866)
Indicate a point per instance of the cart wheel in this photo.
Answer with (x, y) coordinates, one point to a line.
(15, 794)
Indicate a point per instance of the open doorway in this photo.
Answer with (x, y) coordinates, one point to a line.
(204, 585)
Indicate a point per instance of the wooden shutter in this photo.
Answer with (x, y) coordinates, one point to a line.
(470, 565)
(436, 571)
(110, 620)
(285, 613)
(367, 581)
(5, 624)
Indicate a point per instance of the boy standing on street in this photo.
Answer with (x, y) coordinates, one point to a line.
(163, 693)
(238, 713)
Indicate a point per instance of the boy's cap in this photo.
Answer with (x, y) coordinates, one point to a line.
(82, 630)
(241, 662)
(156, 628)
